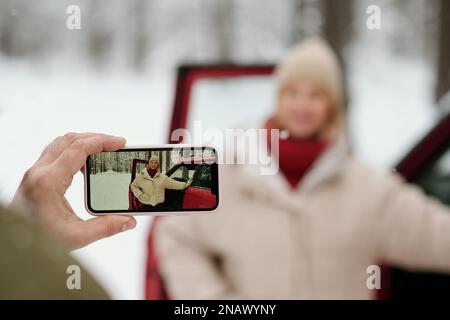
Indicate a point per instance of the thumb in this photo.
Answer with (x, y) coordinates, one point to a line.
(104, 227)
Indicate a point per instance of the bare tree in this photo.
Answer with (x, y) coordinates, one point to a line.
(330, 18)
(337, 27)
(140, 33)
(100, 34)
(7, 27)
(306, 19)
(168, 160)
(222, 17)
(443, 72)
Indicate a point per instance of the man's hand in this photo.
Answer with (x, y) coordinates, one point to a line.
(144, 197)
(44, 185)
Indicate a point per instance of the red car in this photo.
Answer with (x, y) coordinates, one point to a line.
(201, 194)
(427, 165)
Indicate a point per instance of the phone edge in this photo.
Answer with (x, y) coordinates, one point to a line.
(151, 213)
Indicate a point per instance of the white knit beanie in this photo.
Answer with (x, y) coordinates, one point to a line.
(153, 158)
(314, 60)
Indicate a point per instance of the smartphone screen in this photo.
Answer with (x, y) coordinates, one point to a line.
(152, 180)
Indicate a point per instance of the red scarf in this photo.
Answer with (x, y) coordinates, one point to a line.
(296, 157)
(152, 172)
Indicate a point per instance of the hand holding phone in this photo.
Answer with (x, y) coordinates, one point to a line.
(45, 183)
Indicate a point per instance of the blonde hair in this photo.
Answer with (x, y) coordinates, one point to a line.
(154, 158)
(314, 60)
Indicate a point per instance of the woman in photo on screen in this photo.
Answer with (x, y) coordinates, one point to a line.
(149, 186)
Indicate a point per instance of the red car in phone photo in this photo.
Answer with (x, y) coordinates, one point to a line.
(201, 194)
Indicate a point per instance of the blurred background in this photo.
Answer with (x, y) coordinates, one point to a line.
(122, 64)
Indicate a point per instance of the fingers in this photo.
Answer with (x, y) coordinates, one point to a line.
(55, 148)
(103, 227)
(73, 158)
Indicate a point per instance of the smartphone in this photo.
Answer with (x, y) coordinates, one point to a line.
(152, 180)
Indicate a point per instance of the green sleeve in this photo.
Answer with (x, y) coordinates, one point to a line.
(34, 266)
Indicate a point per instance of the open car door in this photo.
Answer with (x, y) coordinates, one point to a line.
(202, 92)
(202, 193)
(427, 166)
(136, 168)
(180, 172)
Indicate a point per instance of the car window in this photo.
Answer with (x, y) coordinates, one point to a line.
(140, 166)
(252, 97)
(436, 179)
(183, 173)
(203, 178)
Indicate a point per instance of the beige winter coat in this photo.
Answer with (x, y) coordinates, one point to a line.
(150, 190)
(269, 241)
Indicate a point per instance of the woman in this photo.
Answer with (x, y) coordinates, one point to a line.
(149, 186)
(316, 228)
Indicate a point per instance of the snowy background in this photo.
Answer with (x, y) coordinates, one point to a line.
(122, 64)
(109, 190)
(110, 174)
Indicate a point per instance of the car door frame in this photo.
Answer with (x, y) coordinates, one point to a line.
(187, 75)
(432, 146)
(133, 202)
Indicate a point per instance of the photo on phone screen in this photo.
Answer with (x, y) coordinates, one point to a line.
(139, 180)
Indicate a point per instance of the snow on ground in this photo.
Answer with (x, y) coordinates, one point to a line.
(109, 190)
